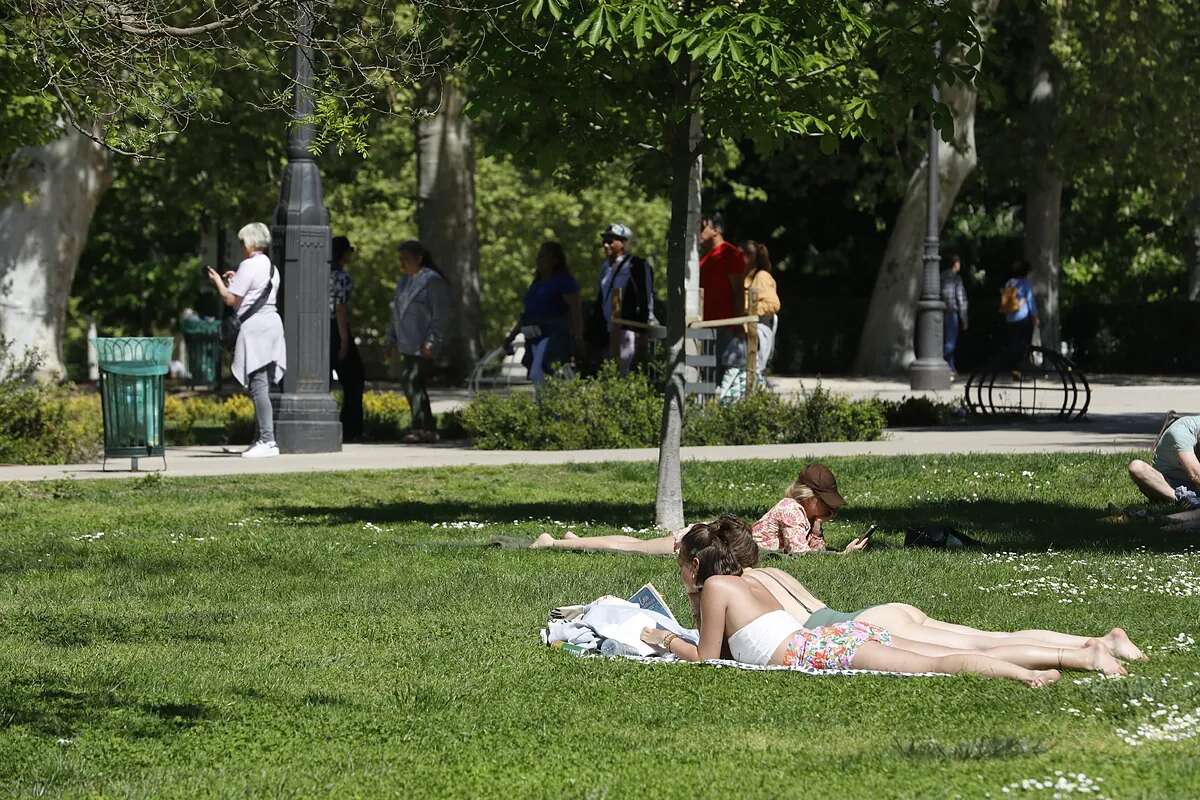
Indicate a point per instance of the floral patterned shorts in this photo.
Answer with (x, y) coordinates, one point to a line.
(832, 646)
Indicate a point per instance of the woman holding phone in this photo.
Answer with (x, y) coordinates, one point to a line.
(793, 525)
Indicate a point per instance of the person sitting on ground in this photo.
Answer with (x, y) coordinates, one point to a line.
(1174, 475)
(734, 607)
(793, 525)
(552, 320)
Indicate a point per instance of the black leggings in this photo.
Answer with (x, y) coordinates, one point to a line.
(351, 377)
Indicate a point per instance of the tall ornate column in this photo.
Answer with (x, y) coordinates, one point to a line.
(307, 416)
(930, 370)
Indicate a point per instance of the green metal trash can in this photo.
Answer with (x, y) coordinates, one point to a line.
(132, 394)
(203, 340)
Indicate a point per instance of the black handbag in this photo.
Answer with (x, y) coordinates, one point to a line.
(938, 537)
(231, 324)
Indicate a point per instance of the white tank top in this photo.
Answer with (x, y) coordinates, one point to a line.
(757, 642)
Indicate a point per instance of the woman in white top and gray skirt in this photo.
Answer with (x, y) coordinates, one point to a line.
(260, 355)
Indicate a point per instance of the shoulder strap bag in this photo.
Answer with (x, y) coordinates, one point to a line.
(231, 324)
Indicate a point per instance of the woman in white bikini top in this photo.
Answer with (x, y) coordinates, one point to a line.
(760, 631)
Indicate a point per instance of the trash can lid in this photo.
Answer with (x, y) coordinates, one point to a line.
(140, 350)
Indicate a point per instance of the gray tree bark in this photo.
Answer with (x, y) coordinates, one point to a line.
(446, 213)
(683, 295)
(886, 345)
(53, 193)
(1044, 182)
(1192, 220)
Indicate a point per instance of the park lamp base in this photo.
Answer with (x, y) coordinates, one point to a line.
(307, 423)
(929, 375)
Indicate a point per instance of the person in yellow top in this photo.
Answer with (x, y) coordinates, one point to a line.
(764, 300)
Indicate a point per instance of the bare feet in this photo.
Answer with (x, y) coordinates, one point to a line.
(1038, 678)
(1119, 644)
(1101, 660)
(542, 542)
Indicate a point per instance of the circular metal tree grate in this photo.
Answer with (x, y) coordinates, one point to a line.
(1046, 385)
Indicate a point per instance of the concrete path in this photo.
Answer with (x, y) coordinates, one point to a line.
(1126, 415)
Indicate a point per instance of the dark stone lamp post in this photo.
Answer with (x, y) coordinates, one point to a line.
(930, 371)
(307, 416)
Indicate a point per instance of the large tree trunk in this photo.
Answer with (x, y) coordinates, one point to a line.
(886, 345)
(446, 213)
(1192, 221)
(43, 228)
(683, 292)
(1044, 183)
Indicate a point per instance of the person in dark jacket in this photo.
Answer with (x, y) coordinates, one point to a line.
(629, 277)
(954, 294)
(420, 324)
(343, 350)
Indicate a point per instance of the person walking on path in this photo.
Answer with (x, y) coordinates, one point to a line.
(764, 298)
(722, 270)
(552, 319)
(1019, 307)
(420, 310)
(343, 350)
(954, 294)
(260, 354)
(630, 277)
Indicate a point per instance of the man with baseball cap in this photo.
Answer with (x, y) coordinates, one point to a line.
(627, 276)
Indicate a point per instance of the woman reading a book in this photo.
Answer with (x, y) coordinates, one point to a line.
(793, 525)
(767, 619)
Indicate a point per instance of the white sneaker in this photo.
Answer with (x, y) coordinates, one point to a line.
(262, 450)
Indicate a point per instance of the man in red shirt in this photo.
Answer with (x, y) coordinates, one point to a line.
(722, 267)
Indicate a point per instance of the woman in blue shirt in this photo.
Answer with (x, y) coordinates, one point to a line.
(1020, 315)
(552, 320)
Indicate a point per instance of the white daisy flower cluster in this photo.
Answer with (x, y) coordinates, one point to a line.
(1060, 784)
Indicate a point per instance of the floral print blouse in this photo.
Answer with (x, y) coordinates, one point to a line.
(786, 527)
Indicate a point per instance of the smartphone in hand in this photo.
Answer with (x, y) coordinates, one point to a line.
(870, 530)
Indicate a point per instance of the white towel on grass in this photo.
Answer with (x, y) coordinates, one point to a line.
(727, 663)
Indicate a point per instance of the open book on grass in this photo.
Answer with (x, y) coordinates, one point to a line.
(648, 598)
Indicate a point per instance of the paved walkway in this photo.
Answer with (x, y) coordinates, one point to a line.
(1126, 415)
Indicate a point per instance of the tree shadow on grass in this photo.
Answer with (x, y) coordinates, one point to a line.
(63, 712)
(616, 515)
(1027, 526)
(1002, 525)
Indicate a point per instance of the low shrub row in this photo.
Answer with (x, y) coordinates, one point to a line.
(613, 411)
(42, 423)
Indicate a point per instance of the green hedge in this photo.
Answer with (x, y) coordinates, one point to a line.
(610, 411)
(43, 423)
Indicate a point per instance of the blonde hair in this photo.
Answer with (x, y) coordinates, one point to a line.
(255, 236)
(799, 491)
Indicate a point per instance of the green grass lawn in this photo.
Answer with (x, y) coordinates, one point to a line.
(327, 635)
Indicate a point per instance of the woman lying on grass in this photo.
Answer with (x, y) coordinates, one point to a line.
(793, 525)
(739, 607)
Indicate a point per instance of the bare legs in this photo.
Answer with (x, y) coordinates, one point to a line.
(911, 623)
(662, 546)
(873, 655)
(1151, 482)
(1093, 657)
